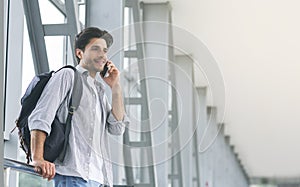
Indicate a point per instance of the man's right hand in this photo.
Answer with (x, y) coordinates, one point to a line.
(44, 168)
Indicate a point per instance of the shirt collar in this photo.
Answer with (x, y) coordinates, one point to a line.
(85, 72)
(82, 70)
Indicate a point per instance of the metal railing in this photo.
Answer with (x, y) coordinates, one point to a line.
(19, 166)
(25, 168)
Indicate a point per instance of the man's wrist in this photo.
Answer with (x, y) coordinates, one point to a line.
(116, 88)
(37, 158)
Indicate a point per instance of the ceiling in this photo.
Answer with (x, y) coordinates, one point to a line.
(256, 46)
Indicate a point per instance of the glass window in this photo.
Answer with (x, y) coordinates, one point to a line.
(27, 65)
(26, 180)
(51, 14)
(81, 8)
(55, 51)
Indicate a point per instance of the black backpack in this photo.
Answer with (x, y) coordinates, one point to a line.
(56, 142)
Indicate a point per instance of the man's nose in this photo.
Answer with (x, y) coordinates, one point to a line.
(102, 54)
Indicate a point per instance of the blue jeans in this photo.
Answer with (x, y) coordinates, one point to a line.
(69, 181)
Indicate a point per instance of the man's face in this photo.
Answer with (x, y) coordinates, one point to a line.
(95, 56)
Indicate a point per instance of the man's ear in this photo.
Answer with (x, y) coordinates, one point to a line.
(79, 53)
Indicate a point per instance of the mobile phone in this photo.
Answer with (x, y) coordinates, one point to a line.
(105, 70)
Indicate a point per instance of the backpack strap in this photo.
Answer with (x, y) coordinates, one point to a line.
(73, 105)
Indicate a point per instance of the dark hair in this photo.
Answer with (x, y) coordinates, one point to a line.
(85, 36)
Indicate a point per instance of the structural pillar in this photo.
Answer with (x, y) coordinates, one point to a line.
(2, 87)
(184, 87)
(14, 53)
(156, 35)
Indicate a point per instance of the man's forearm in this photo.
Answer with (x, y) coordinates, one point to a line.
(117, 102)
(37, 144)
(43, 167)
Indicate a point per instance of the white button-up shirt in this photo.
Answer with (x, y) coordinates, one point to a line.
(54, 101)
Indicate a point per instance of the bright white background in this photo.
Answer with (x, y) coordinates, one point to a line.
(256, 44)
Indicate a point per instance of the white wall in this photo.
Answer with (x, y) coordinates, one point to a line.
(256, 45)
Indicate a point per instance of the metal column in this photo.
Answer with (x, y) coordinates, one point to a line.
(175, 173)
(144, 145)
(210, 153)
(156, 32)
(2, 87)
(37, 30)
(184, 85)
(197, 132)
(13, 86)
(201, 110)
(13, 61)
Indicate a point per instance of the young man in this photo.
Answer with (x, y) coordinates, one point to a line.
(87, 159)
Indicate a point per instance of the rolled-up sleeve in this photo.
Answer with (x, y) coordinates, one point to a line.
(116, 127)
(53, 95)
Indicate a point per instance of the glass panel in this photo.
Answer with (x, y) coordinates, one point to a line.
(69, 52)
(127, 15)
(27, 64)
(26, 180)
(129, 32)
(131, 77)
(82, 13)
(50, 14)
(55, 50)
(139, 161)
